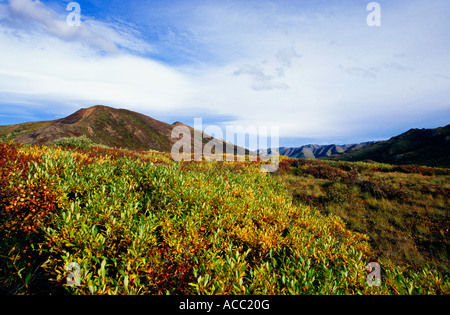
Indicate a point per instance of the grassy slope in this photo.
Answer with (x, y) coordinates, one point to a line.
(125, 128)
(103, 125)
(8, 133)
(422, 147)
(404, 210)
(140, 223)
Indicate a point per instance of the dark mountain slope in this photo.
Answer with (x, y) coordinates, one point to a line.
(428, 147)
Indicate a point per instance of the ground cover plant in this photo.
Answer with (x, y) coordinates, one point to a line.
(140, 223)
(403, 209)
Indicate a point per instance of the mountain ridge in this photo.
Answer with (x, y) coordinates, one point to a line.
(427, 147)
(121, 128)
(316, 151)
(124, 128)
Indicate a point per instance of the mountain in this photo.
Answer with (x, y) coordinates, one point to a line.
(428, 147)
(315, 151)
(112, 127)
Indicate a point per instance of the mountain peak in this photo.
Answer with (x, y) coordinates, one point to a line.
(179, 123)
(77, 116)
(104, 125)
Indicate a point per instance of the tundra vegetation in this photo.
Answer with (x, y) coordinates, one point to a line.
(141, 223)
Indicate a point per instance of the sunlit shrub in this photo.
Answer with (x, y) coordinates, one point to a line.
(81, 142)
(139, 223)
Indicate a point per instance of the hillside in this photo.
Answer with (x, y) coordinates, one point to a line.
(402, 208)
(104, 125)
(428, 147)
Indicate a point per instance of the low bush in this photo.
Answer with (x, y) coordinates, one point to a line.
(82, 142)
(142, 224)
(26, 204)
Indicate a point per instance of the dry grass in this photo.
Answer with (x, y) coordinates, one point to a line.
(403, 209)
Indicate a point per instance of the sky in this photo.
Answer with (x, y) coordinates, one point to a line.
(314, 69)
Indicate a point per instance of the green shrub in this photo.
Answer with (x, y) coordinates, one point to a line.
(82, 142)
(148, 225)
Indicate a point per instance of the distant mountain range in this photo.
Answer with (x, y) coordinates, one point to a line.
(315, 151)
(127, 129)
(108, 126)
(429, 147)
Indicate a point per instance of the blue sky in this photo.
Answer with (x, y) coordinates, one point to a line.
(315, 69)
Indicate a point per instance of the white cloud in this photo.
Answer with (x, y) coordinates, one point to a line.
(285, 56)
(368, 78)
(316, 72)
(35, 17)
(260, 80)
(48, 69)
(358, 71)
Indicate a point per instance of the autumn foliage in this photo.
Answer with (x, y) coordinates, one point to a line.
(25, 206)
(141, 223)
